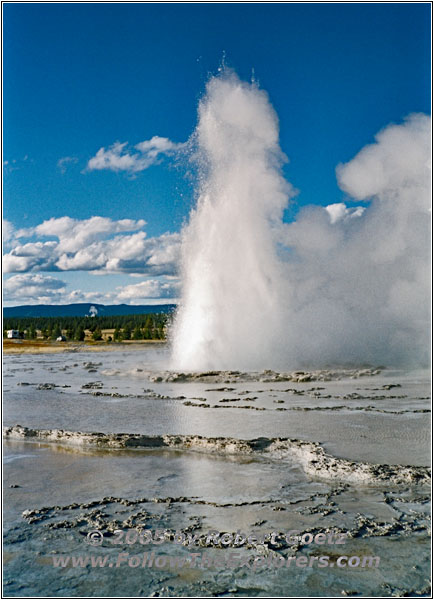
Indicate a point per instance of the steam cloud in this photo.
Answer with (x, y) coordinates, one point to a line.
(339, 285)
(360, 287)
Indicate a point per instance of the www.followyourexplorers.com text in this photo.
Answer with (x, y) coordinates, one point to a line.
(208, 560)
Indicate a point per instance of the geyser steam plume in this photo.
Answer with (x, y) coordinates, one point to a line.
(338, 285)
(231, 276)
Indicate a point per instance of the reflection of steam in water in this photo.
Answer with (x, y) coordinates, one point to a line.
(133, 403)
(12, 457)
(310, 456)
(339, 285)
(103, 452)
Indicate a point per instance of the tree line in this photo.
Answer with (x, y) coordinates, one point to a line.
(126, 327)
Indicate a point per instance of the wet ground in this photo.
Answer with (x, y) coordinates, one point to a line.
(60, 486)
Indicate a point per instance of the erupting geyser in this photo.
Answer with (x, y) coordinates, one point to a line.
(354, 286)
(231, 276)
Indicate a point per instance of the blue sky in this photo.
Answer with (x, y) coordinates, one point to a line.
(80, 77)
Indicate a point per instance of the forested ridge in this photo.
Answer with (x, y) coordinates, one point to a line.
(125, 327)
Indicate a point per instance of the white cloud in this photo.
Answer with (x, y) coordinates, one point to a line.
(8, 232)
(152, 288)
(118, 157)
(35, 289)
(74, 234)
(157, 145)
(98, 244)
(31, 256)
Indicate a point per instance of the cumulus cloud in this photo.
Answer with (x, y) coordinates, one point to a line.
(29, 288)
(8, 232)
(74, 234)
(119, 157)
(32, 288)
(32, 256)
(152, 288)
(98, 244)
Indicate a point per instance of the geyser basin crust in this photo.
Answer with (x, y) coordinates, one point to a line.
(320, 466)
(311, 456)
(266, 376)
(377, 418)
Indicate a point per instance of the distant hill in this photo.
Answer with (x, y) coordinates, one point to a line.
(81, 310)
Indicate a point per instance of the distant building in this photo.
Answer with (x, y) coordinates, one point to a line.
(14, 334)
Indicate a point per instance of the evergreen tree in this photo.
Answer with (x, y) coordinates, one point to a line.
(31, 333)
(57, 332)
(97, 335)
(79, 334)
(137, 333)
(92, 324)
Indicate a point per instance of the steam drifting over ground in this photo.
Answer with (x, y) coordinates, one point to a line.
(339, 285)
